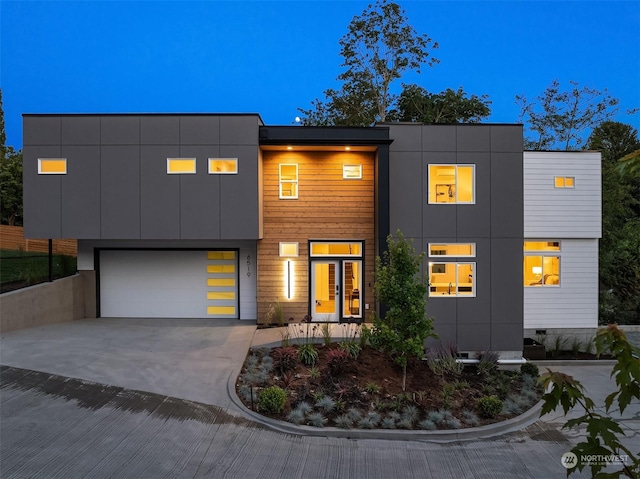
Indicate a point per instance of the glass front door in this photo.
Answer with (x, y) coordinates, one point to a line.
(325, 291)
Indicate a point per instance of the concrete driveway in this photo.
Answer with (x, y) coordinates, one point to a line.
(150, 400)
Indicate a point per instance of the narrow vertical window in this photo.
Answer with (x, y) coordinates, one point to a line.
(288, 182)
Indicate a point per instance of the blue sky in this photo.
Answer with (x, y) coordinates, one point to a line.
(271, 57)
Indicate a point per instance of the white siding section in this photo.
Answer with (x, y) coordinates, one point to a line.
(575, 303)
(556, 213)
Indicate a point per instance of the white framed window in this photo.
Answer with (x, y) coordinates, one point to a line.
(288, 177)
(452, 250)
(452, 279)
(52, 166)
(352, 172)
(181, 166)
(288, 250)
(451, 184)
(564, 181)
(541, 267)
(223, 166)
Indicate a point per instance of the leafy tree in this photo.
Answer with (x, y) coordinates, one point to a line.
(630, 163)
(560, 119)
(402, 291)
(377, 49)
(620, 243)
(602, 431)
(418, 105)
(10, 179)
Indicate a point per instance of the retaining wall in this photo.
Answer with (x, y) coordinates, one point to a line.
(47, 303)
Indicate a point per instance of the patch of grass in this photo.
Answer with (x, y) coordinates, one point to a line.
(33, 267)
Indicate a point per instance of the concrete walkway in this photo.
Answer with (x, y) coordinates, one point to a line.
(150, 400)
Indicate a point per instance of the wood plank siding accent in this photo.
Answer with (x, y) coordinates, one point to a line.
(328, 207)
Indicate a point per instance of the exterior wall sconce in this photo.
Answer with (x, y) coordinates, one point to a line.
(288, 250)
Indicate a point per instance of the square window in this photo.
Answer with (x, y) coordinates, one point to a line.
(451, 184)
(223, 166)
(52, 166)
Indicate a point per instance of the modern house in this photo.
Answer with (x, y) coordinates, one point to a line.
(220, 216)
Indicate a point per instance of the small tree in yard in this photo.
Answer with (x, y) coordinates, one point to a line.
(402, 291)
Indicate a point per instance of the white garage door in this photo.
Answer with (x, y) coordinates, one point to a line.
(168, 284)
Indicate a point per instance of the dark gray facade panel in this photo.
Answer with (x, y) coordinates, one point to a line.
(507, 138)
(446, 336)
(507, 195)
(199, 130)
(239, 195)
(507, 337)
(159, 194)
(81, 192)
(474, 220)
(478, 309)
(438, 138)
(159, 130)
(41, 130)
(200, 196)
(506, 281)
(120, 192)
(473, 138)
(406, 200)
(406, 137)
(120, 130)
(239, 130)
(80, 130)
(439, 221)
(42, 194)
(443, 310)
(473, 336)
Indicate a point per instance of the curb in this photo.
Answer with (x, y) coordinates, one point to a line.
(450, 435)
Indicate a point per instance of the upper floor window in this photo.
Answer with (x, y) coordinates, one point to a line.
(223, 166)
(181, 166)
(288, 181)
(352, 172)
(564, 181)
(52, 166)
(451, 184)
(542, 263)
(452, 250)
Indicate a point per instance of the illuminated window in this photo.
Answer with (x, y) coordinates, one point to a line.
(541, 263)
(352, 172)
(223, 166)
(181, 166)
(52, 166)
(457, 250)
(451, 184)
(288, 182)
(564, 182)
(336, 249)
(289, 250)
(451, 279)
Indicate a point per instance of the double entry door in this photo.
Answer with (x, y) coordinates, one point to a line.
(336, 286)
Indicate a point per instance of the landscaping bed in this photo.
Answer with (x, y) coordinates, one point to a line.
(355, 386)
